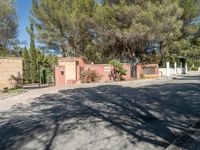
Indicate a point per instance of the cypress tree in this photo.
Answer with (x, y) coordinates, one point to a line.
(33, 54)
(26, 66)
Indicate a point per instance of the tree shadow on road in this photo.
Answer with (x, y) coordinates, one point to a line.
(154, 115)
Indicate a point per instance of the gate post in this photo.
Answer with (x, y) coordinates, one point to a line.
(175, 68)
(186, 68)
(138, 71)
(168, 69)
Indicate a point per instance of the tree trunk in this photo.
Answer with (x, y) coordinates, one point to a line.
(162, 53)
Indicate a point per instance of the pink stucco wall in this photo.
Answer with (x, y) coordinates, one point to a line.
(59, 77)
(140, 71)
(128, 73)
(103, 69)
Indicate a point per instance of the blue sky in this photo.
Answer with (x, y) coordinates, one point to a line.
(23, 12)
(23, 8)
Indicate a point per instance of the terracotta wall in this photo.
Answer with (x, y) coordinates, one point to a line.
(74, 66)
(128, 73)
(81, 62)
(60, 75)
(105, 71)
(141, 73)
(8, 67)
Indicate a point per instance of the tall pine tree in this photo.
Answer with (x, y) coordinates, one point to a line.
(125, 29)
(64, 24)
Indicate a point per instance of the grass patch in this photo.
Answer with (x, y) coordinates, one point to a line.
(15, 90)
(12, 91)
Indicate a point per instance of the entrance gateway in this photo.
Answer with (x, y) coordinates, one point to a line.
(69, 69)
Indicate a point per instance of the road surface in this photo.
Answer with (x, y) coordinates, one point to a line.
(101, 117)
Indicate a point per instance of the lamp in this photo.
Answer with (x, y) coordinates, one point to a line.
(62, 71)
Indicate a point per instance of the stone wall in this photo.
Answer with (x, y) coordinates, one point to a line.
(9, 67)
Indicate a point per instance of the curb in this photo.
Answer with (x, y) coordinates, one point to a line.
(5, 97)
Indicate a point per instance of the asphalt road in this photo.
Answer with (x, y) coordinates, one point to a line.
(104, 117)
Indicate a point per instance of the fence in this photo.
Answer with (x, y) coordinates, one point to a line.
(168, 71)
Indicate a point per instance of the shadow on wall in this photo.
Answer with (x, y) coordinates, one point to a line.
(16, 80)
(153, 115)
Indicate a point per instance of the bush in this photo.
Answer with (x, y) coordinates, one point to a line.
(197, 63)
(190, 63)
(90, 76)
(118, 71)
(195, 68)
(5, 90)
(18, 80)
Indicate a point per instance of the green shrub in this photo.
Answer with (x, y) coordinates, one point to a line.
(190, 63)
(197, 63)
(118, 71)
(90, 76)
(195, 68)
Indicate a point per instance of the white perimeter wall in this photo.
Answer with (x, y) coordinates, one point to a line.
(172, 71)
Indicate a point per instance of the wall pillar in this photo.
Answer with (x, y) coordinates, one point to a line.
(138, 71)
(175, 68)
(181, 65)
(183, 69)
(168, 69)
(186, 68)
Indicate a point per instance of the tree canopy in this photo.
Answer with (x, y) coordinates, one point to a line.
(128, 28)
(8, 23)
(121, 29)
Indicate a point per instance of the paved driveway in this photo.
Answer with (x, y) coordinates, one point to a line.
(106, 117)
